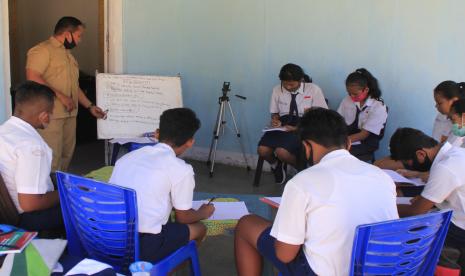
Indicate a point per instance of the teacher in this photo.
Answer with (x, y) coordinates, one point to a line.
(51, 63)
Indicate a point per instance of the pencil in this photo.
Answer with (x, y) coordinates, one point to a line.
(210, 201)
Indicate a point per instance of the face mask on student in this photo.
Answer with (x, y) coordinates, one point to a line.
(360, 97)
(421, 167)
(458, 131)
(69, 45)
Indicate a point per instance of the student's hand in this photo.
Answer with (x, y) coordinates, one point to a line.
(275, 122)
(414, 199)
(206, 210)
(67, 102)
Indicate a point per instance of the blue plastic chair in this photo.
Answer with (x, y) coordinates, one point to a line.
(101, 224)
(407, 246)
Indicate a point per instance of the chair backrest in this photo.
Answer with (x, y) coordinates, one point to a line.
(408, 246)
(135, 146)
(8, 212)
(100, 220)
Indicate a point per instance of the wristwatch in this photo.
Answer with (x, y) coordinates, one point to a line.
(91, 105)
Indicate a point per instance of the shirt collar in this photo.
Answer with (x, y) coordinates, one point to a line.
(55, 42)
(334, 155)
(300, 90)
(442, 153)
(22, 124)
(166, 147)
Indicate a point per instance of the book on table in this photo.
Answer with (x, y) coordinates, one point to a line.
(14, 240)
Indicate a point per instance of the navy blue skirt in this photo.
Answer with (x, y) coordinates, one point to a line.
(282, 139)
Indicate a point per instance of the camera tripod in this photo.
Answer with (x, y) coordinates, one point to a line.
(223, 101)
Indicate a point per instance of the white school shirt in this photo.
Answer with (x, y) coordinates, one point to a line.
(309, 95)
(161, 181)
(442, 127)
(446, 182)
(455, 140)
(25, 160)
(322, 205)
(372, 118)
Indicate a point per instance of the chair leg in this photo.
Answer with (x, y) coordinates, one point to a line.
(258, 172)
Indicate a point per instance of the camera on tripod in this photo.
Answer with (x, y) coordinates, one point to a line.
(225, 105)
(226, 88)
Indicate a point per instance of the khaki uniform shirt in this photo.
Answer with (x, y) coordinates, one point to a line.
(59, 69)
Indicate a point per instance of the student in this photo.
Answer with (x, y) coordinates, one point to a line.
(445, 188)
(163, 181)
(364, 112)
(288, 103)
(314, 228)
(26, 159)
(457, 116)
(445, 94)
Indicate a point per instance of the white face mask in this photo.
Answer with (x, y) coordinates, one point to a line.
(45, 125)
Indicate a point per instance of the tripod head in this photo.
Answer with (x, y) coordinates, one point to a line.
(227, 88)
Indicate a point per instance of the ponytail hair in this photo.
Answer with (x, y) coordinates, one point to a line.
(450, 89)
(291, 72)
(458, 107)
(363, 78)
(307, 79)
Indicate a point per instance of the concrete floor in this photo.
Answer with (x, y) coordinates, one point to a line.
(216, 253)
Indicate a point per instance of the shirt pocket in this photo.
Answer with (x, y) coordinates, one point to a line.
(58, 65)
(283, 106)
(306, 103)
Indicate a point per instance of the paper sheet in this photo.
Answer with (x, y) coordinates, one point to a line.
(403, 200)
(224, 210)
(398, 178)
(141, 140)
(266, 129)
(273, 201)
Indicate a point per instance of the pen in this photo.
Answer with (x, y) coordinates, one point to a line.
(210, 201)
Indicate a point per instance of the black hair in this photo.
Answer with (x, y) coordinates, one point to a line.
(307, 79)
(31, 91)
(363, 78)
(323, 126)
(178, 125)
(67, 23)
(406, 141)
(458, 107)
(291, 72)
(450, 89)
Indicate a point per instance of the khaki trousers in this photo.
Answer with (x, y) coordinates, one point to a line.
(60, 136)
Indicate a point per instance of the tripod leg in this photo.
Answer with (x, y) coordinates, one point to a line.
(219, 126)
(216, 131)
(238, 136)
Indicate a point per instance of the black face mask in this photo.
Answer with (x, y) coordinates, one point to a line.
(310, 158)
(69, 45)
(424, 167)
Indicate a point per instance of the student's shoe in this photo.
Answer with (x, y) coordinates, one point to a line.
(279, 173)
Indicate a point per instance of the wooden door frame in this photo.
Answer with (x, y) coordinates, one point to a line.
(110, 41)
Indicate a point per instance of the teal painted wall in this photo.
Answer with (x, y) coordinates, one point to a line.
(410, 46)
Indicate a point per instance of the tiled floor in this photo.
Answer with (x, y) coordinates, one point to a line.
(216, 253)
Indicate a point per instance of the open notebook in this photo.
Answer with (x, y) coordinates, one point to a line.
(224, 210)
(398, 178)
